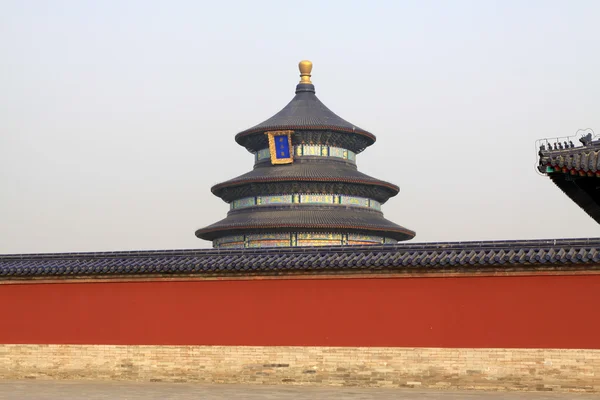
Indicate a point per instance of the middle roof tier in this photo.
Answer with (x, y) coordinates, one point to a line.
(310, 177)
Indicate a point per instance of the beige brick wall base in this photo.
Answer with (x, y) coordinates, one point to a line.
(496, 369)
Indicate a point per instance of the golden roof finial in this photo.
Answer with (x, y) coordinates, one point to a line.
(305, 67)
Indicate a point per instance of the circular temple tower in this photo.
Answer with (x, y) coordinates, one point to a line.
(305, 189)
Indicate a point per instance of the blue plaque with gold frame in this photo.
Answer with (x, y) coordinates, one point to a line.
(280, 147)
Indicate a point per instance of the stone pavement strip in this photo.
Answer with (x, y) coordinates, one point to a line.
(94, 390)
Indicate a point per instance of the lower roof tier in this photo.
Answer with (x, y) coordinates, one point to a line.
(305, 218)
(338, 176)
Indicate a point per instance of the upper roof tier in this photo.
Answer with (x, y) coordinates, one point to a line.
(304, 113)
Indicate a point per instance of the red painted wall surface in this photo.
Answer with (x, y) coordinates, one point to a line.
(514, 311)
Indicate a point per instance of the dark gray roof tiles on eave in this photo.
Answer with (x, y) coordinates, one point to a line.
(582, 190)
(307, 172)
(576, 254)
(305, 111)
(305, 218)
(583, 159)
(575, 170)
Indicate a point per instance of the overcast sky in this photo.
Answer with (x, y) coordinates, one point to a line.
(116, 117)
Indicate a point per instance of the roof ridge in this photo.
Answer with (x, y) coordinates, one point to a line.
(423, 246)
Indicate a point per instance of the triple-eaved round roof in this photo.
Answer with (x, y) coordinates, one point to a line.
(309, 169)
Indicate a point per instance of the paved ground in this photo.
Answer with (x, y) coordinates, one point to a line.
(72, 390)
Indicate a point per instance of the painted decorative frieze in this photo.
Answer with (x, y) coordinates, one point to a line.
(297, 239)
(306, 198)
(313, 150)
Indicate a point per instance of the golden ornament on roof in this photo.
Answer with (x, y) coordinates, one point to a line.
(305, 67)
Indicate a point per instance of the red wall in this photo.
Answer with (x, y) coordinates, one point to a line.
(513, 311)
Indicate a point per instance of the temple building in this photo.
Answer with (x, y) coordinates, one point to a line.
(575, 170)
(305, 188)
(277, 302)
